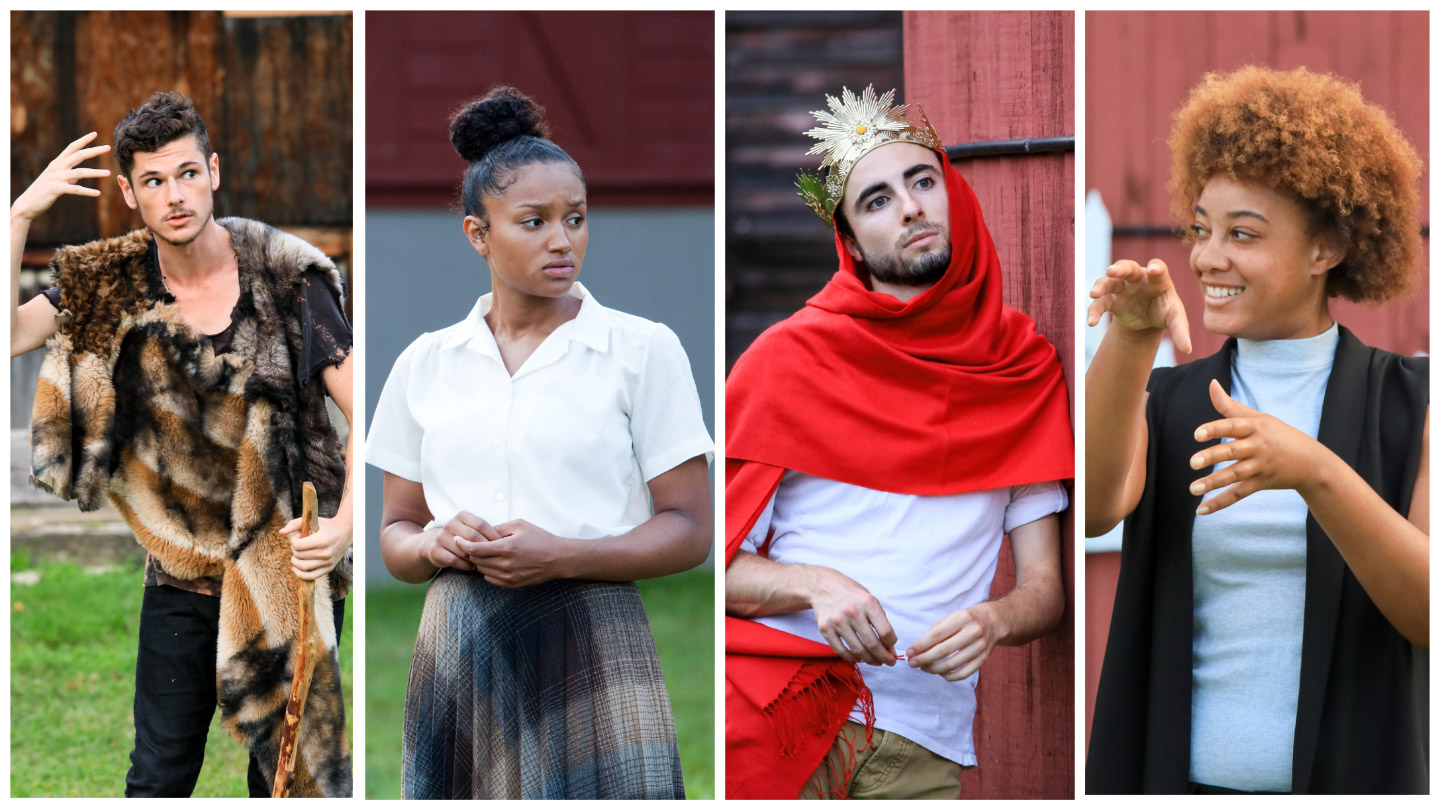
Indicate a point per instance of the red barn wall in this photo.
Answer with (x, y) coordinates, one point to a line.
(1139, 67)
(632, 98)
(1000, 76)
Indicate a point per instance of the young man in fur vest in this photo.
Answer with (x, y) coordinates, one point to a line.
(185, 374)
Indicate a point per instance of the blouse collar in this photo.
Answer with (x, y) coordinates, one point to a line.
(589, 326)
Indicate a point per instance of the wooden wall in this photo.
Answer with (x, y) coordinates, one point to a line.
(275, 93)
(999, 76)
(629, 95)
(778, 67)
(1139, 67)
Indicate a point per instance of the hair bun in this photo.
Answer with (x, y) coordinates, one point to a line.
(501, 115)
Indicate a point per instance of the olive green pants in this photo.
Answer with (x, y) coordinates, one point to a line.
(891, 768)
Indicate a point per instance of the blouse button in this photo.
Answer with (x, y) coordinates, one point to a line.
(494, 442)
(499, 496)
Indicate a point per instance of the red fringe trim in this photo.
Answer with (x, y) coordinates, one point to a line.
(807, 708)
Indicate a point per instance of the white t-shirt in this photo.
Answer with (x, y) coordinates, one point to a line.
(923, 557)
(606, 403)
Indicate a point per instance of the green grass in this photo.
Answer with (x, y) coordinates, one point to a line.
(72, 687)
(682, 617)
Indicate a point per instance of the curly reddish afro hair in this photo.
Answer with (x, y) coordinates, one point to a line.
(1314, 137)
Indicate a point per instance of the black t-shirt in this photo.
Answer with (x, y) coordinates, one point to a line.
(325, 337)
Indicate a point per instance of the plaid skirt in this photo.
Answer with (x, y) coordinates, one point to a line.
(552, 691)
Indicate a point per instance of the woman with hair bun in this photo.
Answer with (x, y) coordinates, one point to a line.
(1271, 623)
(540, 456)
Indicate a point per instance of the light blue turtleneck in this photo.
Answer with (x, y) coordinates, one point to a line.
(1249, 587)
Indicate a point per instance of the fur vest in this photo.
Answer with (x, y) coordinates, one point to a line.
(204, 456)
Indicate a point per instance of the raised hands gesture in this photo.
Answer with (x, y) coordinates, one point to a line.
(61, 177)
(1141, 300)
(32, 324)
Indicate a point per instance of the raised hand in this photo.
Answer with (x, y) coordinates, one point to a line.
(61, 177)
(1268, 454)
(1140, 300)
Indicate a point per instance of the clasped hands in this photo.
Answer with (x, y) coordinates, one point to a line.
(510, 555)
(852, 620)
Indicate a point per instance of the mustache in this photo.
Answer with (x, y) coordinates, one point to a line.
(918, 227)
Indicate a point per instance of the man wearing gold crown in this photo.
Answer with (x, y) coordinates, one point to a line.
(880, 442)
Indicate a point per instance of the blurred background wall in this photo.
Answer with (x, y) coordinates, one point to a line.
(630, 96)
(980, 77)
(778, 67)
(1003, 76)
(1138, 68)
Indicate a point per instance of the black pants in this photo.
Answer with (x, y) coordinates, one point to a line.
(175, 693)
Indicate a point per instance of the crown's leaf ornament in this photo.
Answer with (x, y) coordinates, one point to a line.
(853, 127)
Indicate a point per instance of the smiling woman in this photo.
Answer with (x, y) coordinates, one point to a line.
(539, 456)
(1272, 615)
(1262, 265)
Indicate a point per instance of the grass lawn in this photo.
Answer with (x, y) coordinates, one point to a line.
(72, 687)
(682, 618)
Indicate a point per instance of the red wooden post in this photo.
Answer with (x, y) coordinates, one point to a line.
(1001, 76)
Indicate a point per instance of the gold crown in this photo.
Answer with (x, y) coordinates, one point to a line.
(857, 126)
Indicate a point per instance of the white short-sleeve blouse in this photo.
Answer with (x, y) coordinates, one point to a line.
(606, 403)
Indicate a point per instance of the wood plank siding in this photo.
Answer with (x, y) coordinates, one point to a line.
(984, 76)
(778, 67)
(631, 97)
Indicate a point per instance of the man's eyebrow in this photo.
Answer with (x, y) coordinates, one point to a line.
(916, 169)
(882, 185)
(873, 188)
(189, 164)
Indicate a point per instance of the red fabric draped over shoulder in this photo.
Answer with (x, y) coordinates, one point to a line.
(948, 392)
(785, 696)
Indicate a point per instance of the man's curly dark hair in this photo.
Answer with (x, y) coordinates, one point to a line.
(163, 118)
(1315, 138)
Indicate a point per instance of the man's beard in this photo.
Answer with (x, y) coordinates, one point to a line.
(922, 271)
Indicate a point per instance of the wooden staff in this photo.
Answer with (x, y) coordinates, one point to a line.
(307, 647)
